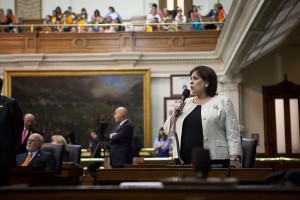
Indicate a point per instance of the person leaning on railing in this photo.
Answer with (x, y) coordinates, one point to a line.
(9, 19)
(196, 18)
(47, 21)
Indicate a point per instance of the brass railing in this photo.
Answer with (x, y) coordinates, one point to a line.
(128, 26)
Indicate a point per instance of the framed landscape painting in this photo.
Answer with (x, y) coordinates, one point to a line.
(67, 101)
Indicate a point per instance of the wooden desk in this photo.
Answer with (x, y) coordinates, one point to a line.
(71, 170)
(32, 176)
(70, 174)
(176, 193)
(116, 176)
(145, 165)
(36, 176)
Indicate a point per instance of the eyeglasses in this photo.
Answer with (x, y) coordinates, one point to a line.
(29, 140)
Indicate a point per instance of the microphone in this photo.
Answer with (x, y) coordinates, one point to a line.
(185, 94)
(201, 162)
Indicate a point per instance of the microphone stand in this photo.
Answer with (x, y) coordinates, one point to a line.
(177, 141)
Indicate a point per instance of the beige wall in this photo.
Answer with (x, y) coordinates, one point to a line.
(268, 70)
(125, 8)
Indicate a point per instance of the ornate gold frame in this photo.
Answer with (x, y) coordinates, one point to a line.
(9, 74)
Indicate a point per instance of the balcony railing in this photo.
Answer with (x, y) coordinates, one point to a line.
(16, 28)
(130, 40)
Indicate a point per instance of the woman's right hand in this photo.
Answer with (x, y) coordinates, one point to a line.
(177, 110)
(178, 107)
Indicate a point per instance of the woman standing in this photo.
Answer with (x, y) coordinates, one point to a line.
(196, 17)
(206, 120)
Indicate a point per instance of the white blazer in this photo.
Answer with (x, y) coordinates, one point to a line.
(220, 127)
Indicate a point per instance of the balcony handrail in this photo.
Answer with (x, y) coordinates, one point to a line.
(32, 26)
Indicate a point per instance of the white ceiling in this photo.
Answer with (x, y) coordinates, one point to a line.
(273, 22)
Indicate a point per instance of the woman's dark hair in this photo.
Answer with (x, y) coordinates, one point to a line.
(58, 10)
(111, 8)
(154, 5)
(164, 136)
(97, 12)
(10, 12)
(219, 6)
(208, 75)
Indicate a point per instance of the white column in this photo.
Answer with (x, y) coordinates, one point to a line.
(230, 86)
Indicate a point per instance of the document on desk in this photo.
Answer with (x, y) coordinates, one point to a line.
(155, 184)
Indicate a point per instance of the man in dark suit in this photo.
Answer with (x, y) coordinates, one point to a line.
(95, 153)
(29, 120)
(11, 124)
(120, 141)
(35, 156)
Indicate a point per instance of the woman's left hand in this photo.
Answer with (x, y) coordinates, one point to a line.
(236, 164)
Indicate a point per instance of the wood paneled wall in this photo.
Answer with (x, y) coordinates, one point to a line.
(190, 41)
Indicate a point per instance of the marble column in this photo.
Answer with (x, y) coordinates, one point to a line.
(230, 86)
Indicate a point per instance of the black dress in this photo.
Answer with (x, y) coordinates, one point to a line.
(192, 134)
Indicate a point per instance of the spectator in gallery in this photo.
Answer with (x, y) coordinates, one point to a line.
(162, 144)
(153, 14)
(47, 21)
(97, 18)
(84, 12)
(166, 14)
(58, 13)
(221, 15)
(74, 29)
(180, 17)
(158, 11)
(9, 19)
(54, 17)
(71, 16)
(155, 27)
(168, 25)
(113, 14)
(196, 18)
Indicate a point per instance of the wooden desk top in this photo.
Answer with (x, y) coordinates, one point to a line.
(116, 176)
(175, 193)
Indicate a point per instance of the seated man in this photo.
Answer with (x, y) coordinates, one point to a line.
(35, 156)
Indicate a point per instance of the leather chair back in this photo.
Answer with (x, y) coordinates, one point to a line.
(57, 151)
(75, 153)
(249, 152)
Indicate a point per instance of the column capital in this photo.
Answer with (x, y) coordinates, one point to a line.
(226, 79)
